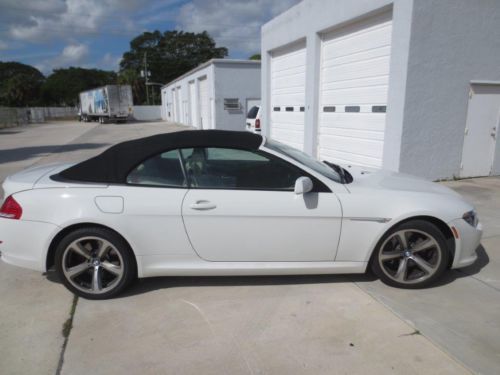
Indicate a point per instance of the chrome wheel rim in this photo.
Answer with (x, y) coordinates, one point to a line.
(92, 265)
(410, 256)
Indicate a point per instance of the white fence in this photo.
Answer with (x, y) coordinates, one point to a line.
(147, 112)
(10, 116)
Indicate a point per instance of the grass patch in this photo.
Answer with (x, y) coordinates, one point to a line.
(66, 330)
(68, 324)
(414, 333)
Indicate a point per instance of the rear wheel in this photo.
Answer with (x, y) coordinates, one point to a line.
(95, 263)
(411, 255)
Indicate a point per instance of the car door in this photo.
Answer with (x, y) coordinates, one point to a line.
(153, 196)
(241, 207)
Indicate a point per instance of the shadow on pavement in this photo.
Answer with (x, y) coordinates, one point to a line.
(146, 285)
(23, 153)
(482, 260)
(151, 284)
(155, 283)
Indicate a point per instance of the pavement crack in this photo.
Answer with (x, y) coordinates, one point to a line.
(66, 330)
(477, 279)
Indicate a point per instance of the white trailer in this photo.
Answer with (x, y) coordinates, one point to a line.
(108, 103)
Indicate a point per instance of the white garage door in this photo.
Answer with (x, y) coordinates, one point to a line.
(288, 81)
(204, 103)
(353, 92)
(180, 111)
(175, 106)
(192, 104)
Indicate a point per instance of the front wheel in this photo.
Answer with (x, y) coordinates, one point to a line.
(95, 263)
(411, 255)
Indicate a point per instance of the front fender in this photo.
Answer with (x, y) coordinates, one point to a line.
(375, 213)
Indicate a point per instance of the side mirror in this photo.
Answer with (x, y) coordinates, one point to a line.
(303, 185)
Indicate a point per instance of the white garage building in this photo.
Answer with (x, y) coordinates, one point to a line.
(215, 95)
(408, 85)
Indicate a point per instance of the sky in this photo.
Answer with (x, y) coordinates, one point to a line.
(51, 34)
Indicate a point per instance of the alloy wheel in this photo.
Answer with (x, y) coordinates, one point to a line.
(92, 265)
(410, 256)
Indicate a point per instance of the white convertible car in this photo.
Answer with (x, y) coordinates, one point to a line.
(228, 203)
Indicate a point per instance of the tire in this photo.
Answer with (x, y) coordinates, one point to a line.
(95, 263)
(411, 255)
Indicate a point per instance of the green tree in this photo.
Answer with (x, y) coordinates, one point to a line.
(255, 56)
(132, 78)
(63, 85)
(169, 55)
(20, 84)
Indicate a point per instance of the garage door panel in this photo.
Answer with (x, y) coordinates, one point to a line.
(359, 96)
(203, 103)
(357, 134)
(357, 82)
(360, 56)
(293, 119)
(285, 100)
(335, 48)
(291, 71)
(288, 92)
(192, 104)
(289, 60)
(360, 69)
(359, 146)
(363, 121)
(290, 82)
(349, 158)
(354, 82)
(287, 133)
(289, 137)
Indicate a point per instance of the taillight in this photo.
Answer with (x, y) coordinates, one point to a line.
(257, 124)
(11, 209)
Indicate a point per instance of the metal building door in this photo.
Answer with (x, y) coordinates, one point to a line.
(483, 117)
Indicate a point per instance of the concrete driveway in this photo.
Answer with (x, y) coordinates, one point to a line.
(233, 325)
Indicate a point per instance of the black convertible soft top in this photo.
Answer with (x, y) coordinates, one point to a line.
(114, 164)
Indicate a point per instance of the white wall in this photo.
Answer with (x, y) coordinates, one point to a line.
(147, 112)
(225, 79)
(240, 81)
(453, 42)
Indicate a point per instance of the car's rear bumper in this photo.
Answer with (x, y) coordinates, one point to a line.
(25, 243)
(467, 243)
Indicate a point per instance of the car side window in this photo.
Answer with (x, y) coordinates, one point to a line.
(227, 168)
(160, 170)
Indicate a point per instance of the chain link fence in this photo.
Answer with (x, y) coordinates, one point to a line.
(10, 116)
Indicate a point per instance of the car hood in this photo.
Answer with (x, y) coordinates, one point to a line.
(389, 180)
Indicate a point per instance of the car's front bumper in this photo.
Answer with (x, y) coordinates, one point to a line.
(467, 243)
(25, 243)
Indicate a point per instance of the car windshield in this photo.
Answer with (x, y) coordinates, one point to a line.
(252, 113)
(305, 159)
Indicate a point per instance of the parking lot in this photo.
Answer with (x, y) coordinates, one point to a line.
(245, 325)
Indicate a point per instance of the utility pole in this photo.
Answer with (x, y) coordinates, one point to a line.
(146, 75)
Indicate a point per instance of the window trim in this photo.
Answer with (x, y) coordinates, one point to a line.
(159, 186)
(318, 185)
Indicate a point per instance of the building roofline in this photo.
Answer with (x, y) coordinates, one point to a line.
(213, 62)
(280, 16)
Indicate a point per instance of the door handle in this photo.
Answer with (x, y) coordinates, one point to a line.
(203, 205)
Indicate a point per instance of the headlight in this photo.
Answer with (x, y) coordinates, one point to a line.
(471, 218)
